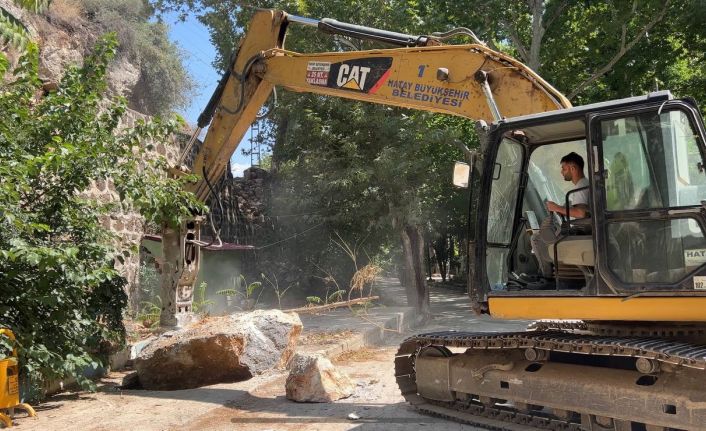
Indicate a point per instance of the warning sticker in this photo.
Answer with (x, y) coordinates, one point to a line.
(13, 387)
(317, 72)
(695, 257)
(700, 282)
(365, 75)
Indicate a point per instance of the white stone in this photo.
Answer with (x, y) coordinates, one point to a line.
(314, 379)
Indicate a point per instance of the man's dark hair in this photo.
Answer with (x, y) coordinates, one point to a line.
(573, 158)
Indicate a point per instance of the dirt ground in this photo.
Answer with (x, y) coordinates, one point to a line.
(258, 404)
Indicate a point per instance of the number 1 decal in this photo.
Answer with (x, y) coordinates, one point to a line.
(421, 70)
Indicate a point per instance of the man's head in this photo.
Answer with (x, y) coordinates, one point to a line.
(572, 167)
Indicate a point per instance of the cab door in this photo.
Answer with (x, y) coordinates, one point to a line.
(506, 174)
(649, 193)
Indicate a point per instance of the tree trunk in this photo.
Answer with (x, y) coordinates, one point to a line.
(442, 255)
(537, 10)
(429, 259)
(171, 267)
(413, 246)
(466, 266)
(452, 252)
(407, 271)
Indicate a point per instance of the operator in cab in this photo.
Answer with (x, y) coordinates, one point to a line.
(572, 170)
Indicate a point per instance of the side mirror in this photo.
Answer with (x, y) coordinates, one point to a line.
(462, 171)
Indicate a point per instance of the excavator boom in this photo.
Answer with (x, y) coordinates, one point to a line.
(470, 81)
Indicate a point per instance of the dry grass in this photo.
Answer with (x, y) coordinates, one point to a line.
(360, 355)
(329, 337)
(365, 276)
(65, 12)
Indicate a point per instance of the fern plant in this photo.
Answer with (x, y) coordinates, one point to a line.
(243, 289)
(313, 300)
(149, 312)
(335, 296)
(35, 6)
(12, 31)
(200, 304)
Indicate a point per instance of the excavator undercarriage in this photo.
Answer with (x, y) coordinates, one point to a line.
(558, 376)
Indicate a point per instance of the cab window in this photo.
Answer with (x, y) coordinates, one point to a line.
(651, 162)
(545, 180)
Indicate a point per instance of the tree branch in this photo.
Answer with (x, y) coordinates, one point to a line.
(318, 308)
(516, 40)
(537, 11)
(624, 48)
(491, 41)
(555, 14)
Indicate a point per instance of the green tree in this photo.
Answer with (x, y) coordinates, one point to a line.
(591, 51)
(164, 85)
(62, 296)
(366, 171)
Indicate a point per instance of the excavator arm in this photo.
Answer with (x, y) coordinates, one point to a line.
(449, 79)
(470, 81)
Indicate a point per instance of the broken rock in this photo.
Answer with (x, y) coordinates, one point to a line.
(314, 379)
(219, 349)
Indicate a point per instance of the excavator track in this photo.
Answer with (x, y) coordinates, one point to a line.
(555, 379)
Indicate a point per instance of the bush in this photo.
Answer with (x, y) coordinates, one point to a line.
(66, 13)
(61, 294)
(164, 85)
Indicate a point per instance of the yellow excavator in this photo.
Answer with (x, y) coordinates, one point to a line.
(618, 294)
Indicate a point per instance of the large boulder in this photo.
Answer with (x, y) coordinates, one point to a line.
(219, 349)
(314, 379)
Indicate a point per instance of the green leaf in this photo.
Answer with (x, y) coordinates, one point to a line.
(4, 64)
(313, 300)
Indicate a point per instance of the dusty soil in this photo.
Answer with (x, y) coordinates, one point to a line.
(325, 337)
(258, 404)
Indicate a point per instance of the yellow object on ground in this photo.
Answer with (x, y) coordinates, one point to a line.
(9, 385)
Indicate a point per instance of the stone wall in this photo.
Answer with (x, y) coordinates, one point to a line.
(241, 200)
(64, 39)
(243, 208)
(129, 226)
(240, 221)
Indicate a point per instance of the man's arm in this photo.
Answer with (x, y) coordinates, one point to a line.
(576, 211)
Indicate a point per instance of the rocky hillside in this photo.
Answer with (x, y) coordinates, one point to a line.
(65, 36)
(148, 69)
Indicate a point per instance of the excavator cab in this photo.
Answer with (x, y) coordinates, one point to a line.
(619, 341)
(638, 254)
